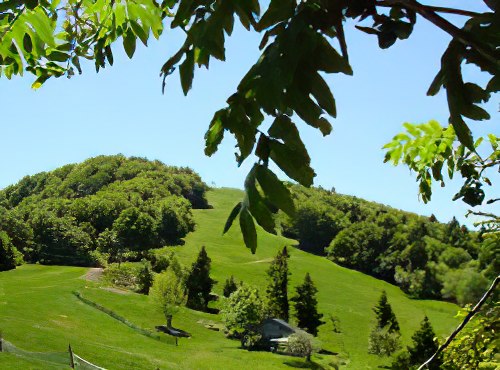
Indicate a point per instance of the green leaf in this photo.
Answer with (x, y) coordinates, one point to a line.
(494, 84)
(275, 190)
(329, 60)
(215, 133)
(42, 26)
(186, 71)
(436, 84)
(129, 43)
(292, 163)
(256, 204)
(109, 54)
(463, 132)
(58, 56)
(39, 81)
(139, 32)
(323, 94)
(232, 217)
(183, 12)
(283, 128)
(279, 10)
(248, 229)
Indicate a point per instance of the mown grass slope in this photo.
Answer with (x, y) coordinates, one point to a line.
(38, 311)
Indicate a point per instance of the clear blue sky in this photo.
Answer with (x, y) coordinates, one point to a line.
(121, 110)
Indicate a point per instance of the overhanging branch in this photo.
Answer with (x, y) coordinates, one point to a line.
(469, 316)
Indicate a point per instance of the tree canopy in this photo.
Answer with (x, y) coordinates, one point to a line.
(47, 38)
(80, 213)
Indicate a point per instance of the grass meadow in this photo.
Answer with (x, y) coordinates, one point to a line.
(39, 312)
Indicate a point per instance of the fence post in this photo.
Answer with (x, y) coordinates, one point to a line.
(71, 361)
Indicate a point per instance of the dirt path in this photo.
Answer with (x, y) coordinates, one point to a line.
(93, 274)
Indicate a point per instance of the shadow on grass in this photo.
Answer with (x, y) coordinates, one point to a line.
(304, 364)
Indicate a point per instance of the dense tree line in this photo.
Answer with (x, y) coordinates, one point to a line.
(426, 258)
(100, 208)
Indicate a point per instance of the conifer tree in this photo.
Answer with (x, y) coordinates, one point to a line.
(424, 346)
(385, 315)
(229, 287)
(277, 290)
(199, 283)
(305, 304)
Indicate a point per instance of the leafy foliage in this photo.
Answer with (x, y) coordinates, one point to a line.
(430, 149)
(306, 306)
(8, 253)
(383, 342)
(417, 253)
(286, 83)
(302, 344)
(476, 347)
(277, 290)
(243, 308)
(106, 205)
(168, 293)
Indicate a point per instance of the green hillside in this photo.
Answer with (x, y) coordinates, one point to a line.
(39, 313)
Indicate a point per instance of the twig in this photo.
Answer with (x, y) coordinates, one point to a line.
(469, 316)
(437, 9)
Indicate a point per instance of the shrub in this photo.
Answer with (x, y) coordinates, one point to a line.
(145, 278)
(383, 342)
(302, 344)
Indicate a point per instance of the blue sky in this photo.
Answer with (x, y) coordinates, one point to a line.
(121, 110)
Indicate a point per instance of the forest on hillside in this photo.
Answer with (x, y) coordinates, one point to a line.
(426, 258)
(113, 208)
(96, 211)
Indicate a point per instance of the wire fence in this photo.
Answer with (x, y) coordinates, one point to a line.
(50, 358)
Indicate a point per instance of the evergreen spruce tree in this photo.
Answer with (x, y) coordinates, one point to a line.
(305, 304)
(199, 283)
(229, 287)
(385, 315)
(277, 290)
(424, 346)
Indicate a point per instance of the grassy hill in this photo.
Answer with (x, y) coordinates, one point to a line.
(39, 313)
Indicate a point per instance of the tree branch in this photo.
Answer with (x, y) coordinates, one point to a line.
(469, 316)
(430, 14)
(437, 9)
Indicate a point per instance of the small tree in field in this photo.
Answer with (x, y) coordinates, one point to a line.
(424, 346)
(277, 290)
(243, 308)
(168, 293)
(384, 339)
(302, 344)
(305, 304)
(383, 342)
(199, 283)
(229, 287)
(385, 315)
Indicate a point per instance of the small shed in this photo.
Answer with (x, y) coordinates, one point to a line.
(275, 328)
